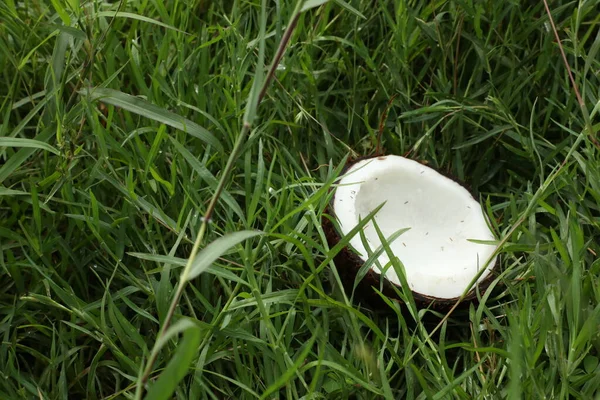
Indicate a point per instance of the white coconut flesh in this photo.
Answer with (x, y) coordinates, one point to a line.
(439, 257)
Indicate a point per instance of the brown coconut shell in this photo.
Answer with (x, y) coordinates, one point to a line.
(348, 264)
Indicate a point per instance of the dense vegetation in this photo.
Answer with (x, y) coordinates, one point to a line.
(117, 121)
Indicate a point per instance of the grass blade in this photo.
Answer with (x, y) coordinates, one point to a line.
(216, 249)
(207, 177)
(148, 110)
(123, 14)
(290, 371)
(20, 156)
(27, 143)
(179, 365)
(308, 4)
(181, 262)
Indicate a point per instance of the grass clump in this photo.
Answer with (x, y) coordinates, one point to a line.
(118, 127)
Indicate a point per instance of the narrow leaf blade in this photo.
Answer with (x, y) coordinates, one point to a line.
(208, 177)
(29, 143)
(181, 262)
(122, 14)
(214, 250)
(308, 4)
(148, 110)
(23, 154)
(179, 365)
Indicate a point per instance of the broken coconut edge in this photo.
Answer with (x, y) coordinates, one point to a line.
(348, 262)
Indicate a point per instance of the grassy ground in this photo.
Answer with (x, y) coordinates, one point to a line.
(100, 211)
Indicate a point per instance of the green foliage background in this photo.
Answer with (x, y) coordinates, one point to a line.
(117, 120)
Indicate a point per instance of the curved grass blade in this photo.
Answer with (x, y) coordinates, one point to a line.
(208, 177)
(179, 365)
(29, 143)
(122, 14)
(23, 154)
(284, 378)
(216, 249)
(308, 4)
(181, 262)
(151, 111)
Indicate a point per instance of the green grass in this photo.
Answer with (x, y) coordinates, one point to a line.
(115, 134)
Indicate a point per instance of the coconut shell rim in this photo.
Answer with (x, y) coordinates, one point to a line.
(347, 257)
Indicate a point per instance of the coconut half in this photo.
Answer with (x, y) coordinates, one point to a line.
(438, 251)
